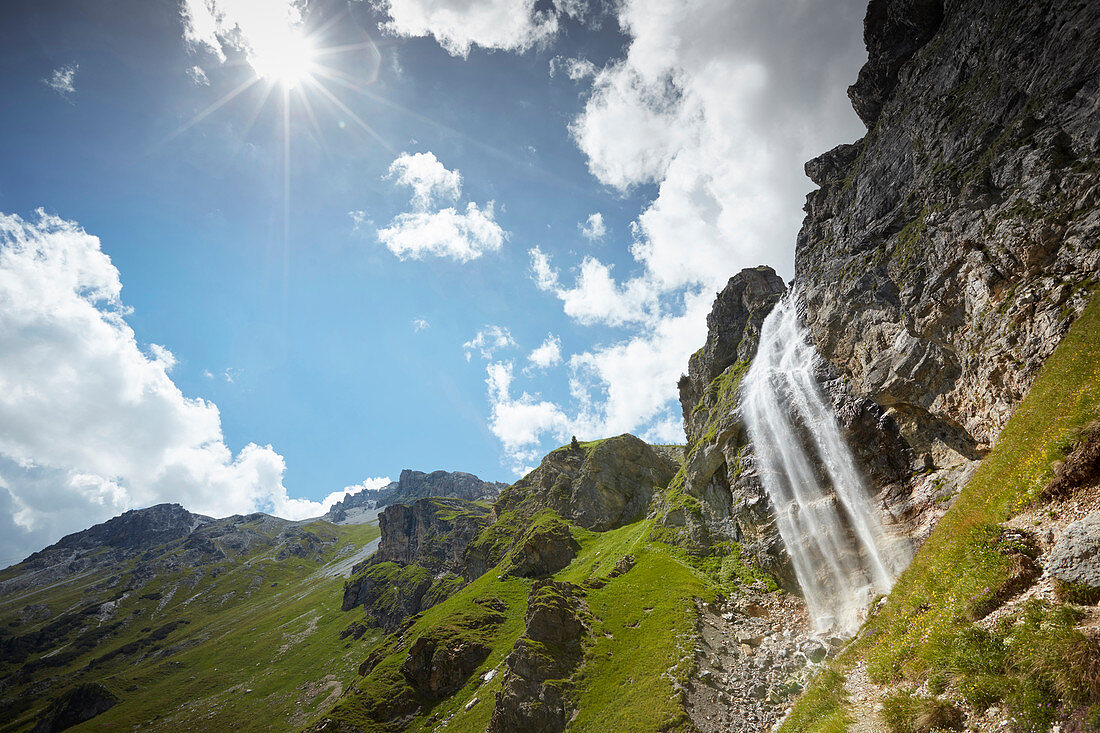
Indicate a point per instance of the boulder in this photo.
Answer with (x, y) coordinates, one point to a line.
(1075, 557)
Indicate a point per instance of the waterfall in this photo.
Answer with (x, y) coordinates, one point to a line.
(842, 556)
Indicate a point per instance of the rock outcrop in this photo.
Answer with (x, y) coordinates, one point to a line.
(78, 705)
(599, 485)
(1075, 558)
(432, 533)
(419, 561)
(947, 252)
(534, 695)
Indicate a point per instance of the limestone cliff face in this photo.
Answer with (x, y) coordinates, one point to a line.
(940, 262)
(419, 561)
(432, 533)
(717, 495)
(947, 252)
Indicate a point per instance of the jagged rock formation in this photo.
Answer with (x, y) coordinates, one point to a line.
(947, 252)
(545, 548)
(600, 485)
(535, 690)
(419, 560)
(717, 495)
(432, 533)
(413, 485)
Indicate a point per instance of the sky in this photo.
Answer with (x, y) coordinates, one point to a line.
(255, 254)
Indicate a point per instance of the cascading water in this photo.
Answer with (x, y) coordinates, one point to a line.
(840, 552)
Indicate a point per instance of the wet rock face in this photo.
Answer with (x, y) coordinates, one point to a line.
(720, 468)
(599, 486)
(733, 329)
(534, 694)
(947, 252)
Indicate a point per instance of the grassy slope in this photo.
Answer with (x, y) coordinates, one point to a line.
(644, 626)
(277, 638)
(928, 610)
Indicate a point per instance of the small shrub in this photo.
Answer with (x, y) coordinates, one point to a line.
(904, 712)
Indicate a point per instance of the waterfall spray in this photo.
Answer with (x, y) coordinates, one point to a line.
(832, 530)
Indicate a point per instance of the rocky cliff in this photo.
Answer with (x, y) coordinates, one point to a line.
(940, 262)
(419, 561)
(946, 253)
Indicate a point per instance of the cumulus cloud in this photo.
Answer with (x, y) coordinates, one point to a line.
(461, 235)
(488, 341)
(419, 324)
(262, 30)
(459, 25)
(198, 76)
(547, 354)
(593, 228)
(520, 421)
(90, 423)
(717, 106)
(429, 179)
(63, 80)
(576, 69)
(377, 482)
(596, 297)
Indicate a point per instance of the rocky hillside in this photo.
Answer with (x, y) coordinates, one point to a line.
(169, 620)
(413, 485)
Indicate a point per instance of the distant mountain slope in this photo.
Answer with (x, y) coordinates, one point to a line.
(409, 487)
(175, 621)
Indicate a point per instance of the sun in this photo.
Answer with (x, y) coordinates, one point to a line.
(288, 60)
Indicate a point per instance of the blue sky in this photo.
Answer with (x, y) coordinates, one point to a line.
(500, 223)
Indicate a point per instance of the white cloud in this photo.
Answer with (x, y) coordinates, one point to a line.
(63, 79)
(520, 422)
(619, 388)
(576, 69)
(459, 235)
(377, 482)
(262, 30)
(542, 272)
(163, 356)
(198, 76)
(429, 179)
(718, 105)
(419, 324)
(547, 354)
(488, 341)
(462, 236)
(89, 425)
(596, 297)
(593, 228)
(459, 25)
(360, 220)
